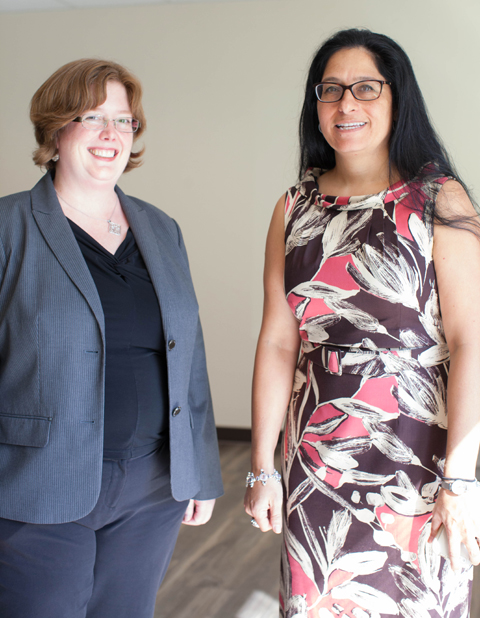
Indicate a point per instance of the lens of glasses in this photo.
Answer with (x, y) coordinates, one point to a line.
(127, 125)
(93, 122)
(367, 90)
(329, 93)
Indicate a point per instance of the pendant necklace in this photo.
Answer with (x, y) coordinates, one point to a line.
(113, 228)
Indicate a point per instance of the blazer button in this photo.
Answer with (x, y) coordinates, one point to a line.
(171, 344)
(176, 411)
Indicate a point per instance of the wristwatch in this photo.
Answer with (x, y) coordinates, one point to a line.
(458, 486)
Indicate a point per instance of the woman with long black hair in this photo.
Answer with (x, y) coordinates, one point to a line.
(371, 305)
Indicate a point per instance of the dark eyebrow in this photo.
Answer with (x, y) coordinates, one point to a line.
(336, 80)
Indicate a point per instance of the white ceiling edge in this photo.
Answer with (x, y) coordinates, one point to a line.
(29, 6)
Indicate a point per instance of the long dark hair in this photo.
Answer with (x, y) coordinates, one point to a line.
(414, 142)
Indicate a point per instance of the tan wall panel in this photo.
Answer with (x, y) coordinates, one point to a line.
(223, 88)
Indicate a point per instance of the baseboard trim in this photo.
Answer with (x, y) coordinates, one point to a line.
(234, 434)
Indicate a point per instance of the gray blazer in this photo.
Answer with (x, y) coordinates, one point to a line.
(52, 361)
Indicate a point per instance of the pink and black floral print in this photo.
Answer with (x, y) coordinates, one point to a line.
(365, 435)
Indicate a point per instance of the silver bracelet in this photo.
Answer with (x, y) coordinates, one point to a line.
(262, 477)
(458, 486)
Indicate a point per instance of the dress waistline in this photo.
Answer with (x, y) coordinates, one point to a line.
(337, 360)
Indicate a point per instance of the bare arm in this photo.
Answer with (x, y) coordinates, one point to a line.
(275, 362)
(457, 263)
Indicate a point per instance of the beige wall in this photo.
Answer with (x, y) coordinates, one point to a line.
(223, 87)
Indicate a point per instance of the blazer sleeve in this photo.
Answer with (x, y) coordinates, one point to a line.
(3, 258)
(201, 410)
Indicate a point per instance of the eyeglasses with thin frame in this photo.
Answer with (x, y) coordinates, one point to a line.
(94, 122)
(364, 90)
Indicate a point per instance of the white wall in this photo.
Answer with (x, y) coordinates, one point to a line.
(223, 88)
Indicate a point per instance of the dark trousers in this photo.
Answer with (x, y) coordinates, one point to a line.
(108, 564)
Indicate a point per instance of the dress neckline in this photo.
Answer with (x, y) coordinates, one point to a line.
(308, 186)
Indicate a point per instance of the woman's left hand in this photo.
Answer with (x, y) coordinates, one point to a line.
(198, 512)
(456, 256)
(461, 519)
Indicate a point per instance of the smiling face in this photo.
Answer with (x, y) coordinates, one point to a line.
(88, 157)
(353, 127)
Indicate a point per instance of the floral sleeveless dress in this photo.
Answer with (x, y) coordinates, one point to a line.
(365, 434)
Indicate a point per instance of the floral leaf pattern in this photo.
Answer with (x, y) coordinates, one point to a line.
(386, 274)
(367, 597)
(340, 234)
(337, 533)
(365, 437)
(307, 226)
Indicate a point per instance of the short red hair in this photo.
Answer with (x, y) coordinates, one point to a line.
(72, 90)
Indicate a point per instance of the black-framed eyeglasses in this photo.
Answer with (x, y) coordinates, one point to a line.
(364, 90)
(94, 122)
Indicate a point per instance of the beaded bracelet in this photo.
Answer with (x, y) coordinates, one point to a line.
(262, 477)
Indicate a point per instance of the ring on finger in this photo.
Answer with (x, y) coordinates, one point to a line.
(254, 523)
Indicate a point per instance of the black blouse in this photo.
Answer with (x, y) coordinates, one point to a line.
(136, 387)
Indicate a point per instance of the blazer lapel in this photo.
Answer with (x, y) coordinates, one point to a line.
(148, 246)
(58, 234)
(164, 259)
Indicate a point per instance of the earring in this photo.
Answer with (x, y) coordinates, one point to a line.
(320, 128)
(55, 157)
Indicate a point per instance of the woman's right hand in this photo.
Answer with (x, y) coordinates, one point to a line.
(264, 504)
(275, 362)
